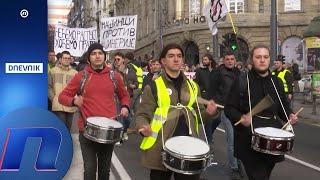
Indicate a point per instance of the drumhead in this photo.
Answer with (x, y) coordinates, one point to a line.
(104, 122)
(273, 132)
(187, 145)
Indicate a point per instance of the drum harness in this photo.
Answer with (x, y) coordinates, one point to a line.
(250, 105)
(181, 106)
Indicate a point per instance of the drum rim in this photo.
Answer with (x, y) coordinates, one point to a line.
(181, 171)
(104, 128)
(272, 137)
(186, 156)
(269, 152)
(98, 140)
(87, 122)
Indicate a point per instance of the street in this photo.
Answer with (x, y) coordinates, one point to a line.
(303, 163)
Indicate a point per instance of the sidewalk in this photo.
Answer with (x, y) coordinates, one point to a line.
(306, 115)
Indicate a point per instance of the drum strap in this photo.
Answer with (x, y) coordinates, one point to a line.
(114, 81)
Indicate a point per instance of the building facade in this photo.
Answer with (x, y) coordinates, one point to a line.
(87, 13)
(164, 21)
(58, 11)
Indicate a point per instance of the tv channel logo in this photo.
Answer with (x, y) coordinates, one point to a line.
(34, 144)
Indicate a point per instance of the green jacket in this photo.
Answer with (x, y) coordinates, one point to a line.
(151, 158)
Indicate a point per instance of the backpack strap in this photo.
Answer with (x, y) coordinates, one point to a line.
(83, 81)
(114, 80)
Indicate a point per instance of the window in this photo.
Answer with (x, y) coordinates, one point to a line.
(236, 6)
(194, 8)
(292, 5)
(178, 9)
(261, 6)
(204, 3)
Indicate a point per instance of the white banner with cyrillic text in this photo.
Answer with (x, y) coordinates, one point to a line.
(74, 40)
(118, 32)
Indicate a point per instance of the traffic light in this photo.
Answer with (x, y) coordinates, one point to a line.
(233, 45)
(230, 42)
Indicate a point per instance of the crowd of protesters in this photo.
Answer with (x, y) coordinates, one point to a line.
(214, 78)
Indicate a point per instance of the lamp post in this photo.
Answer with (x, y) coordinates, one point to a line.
(274, 30)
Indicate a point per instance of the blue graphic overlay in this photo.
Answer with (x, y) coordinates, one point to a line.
(34, 144)
(23, 40)
(15, 143)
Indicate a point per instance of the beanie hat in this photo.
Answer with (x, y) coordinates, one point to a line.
(281, 58)
(95, 46)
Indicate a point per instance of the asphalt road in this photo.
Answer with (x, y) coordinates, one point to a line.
(126, 161)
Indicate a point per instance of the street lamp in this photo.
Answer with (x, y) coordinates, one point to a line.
(207, 46)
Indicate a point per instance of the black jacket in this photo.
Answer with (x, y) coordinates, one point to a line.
(237, 104)
(221, 81)
(203, 80)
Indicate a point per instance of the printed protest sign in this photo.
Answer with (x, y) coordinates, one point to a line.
(74, 40)
(118, 32)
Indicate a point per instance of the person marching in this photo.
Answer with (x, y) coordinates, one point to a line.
(134, 79)
(155, 70)
(95, 99)
(58, 78)
(120, 67)
(285, 75)
(258, 166)
(203, 80)
(170, 89)
(221, 81)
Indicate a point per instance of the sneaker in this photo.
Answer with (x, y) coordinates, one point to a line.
(235, 174)
(125, 137)
(119, 143)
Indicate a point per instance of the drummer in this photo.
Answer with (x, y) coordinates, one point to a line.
(95, 98)
(258, 165)
(172, 87)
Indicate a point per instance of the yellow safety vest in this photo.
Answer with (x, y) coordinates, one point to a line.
(139, 74)
(161, 112)
(281, 76)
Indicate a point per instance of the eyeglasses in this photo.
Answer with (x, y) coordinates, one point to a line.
(117, 59)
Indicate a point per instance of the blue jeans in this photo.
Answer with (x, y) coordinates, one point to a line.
(233, 162)
(210, 126)
(125, 121)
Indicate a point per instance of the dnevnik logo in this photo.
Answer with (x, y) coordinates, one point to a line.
(34, 144)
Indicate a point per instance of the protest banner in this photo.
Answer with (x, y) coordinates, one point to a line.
(118, 32)
(74, 40)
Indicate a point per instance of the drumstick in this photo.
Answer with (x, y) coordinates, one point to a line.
(262, 105)
(204, 101)
(285, 125)
(199, 99)
(115, 116)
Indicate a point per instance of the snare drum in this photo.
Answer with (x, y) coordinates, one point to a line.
(103, 130)
(186, 155)
(272, 140)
